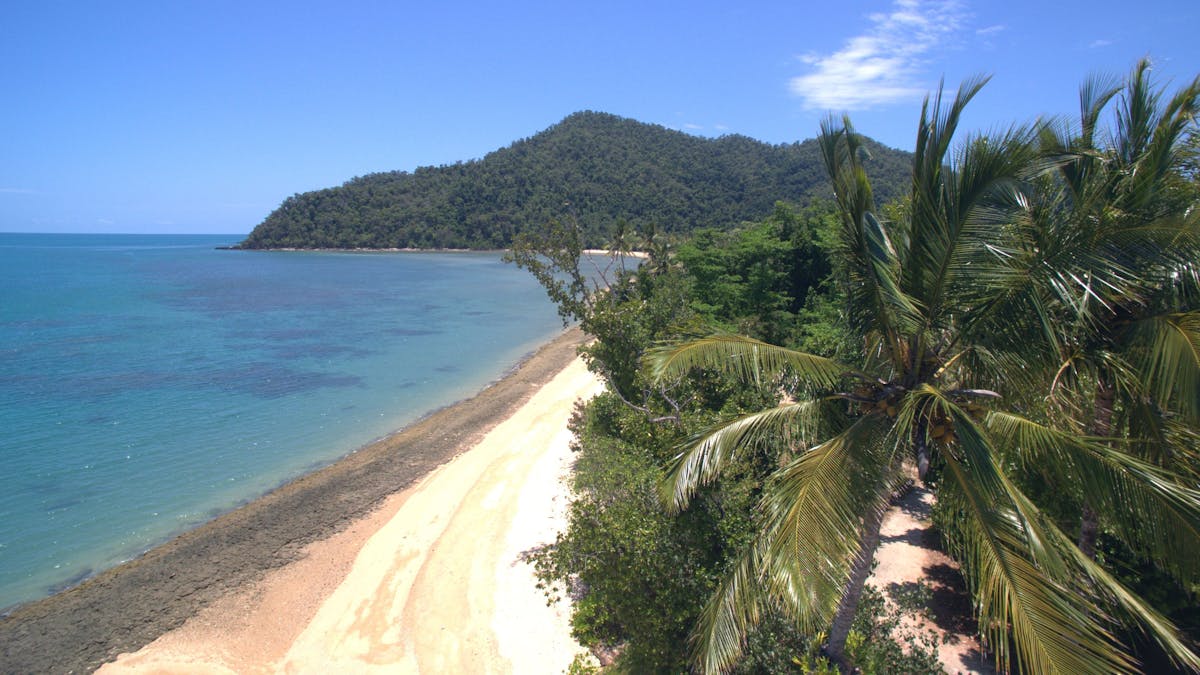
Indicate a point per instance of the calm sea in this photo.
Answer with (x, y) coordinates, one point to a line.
(149, 383)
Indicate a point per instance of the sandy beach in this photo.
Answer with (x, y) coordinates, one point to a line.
(397, 558)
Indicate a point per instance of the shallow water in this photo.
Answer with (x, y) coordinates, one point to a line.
(148, 383)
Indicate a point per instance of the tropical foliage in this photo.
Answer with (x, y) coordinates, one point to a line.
(1027, 336)
(639, 575)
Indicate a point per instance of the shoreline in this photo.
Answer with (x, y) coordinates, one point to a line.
(291, 249)
(125, 608)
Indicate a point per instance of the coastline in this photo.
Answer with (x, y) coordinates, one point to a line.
(293, 249)
(286, 249)
(125, 608)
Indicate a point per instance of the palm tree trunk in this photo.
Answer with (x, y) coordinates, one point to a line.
(839, 631)
(1089, 521)
(919, 440)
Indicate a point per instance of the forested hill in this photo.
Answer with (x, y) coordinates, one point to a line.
(595, 167)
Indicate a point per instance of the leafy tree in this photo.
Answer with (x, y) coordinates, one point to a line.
(756, 278)
(625, 306)
(938, 381)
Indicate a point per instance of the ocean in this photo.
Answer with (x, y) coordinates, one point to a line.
(149, 383)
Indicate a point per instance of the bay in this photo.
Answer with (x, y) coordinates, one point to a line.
(151, 382)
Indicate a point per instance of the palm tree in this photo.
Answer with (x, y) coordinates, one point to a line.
(1118, 228)
(944, 364)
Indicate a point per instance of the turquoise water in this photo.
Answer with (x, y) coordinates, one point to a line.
(149, 383)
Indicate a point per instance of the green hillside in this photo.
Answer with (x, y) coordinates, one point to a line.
(593, 166)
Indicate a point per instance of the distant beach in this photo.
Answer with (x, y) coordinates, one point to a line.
(124, 609)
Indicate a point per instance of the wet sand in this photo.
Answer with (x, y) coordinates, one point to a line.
(259, 559)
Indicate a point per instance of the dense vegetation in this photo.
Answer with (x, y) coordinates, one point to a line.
(593, 167)
(1021, 331)
(639, 574)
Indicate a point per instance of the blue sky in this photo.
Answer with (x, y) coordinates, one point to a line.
(203, 116)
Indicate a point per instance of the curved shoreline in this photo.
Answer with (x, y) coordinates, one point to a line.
(127, 607)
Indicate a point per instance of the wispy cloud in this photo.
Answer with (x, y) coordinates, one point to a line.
(988, 33)
(884, 64)
(16, 191)
(1096, 44)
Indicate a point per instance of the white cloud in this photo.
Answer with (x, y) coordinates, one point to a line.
(882, 65)
(1096, 44)
(17, 191)
(692, 127)
(990, 29)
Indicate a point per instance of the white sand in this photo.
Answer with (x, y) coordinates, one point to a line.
(433, 581)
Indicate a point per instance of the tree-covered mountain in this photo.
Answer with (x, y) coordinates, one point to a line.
(594, 167)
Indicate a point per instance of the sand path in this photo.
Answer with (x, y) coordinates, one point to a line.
(908, 556)
(432, 581)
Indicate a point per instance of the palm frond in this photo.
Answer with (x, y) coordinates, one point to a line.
(817, 502)
(1094, 95)
(1019, 577)
(1133, 611)
(929, 218)
(1159, 153)
(810, 521)
(1053, 628)
(1125, 608)
(907, 311)
(1006, 280)
(1166, 351)
(981, 193)
(1147, 506)
(746, 358)
(876, 301)
(1135, 115)
(731, 613)
(1128, 487)
(703, 457)
(1163, 438)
